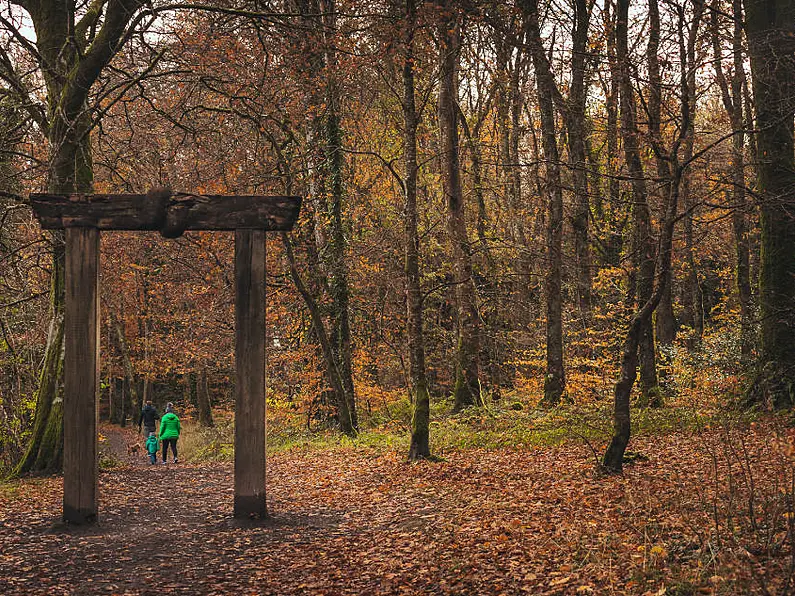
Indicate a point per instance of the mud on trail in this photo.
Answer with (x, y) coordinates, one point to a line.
(357, 521)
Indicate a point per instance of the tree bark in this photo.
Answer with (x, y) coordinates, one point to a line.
(643, 247)
(734, 104)
(614, 219)
(135, 402)
(328, 189)
(613, 460)
(554, 380)
(508, 114)
(694, 310)
(665, 322)
(467, 375)
(70, 66)
(203, 399)
(332, 367)
(770, 27)
(420, 422)
(337, 267)
(575, 124)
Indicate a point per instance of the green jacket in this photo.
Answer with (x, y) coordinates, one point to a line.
(151, 444)
(169, 426)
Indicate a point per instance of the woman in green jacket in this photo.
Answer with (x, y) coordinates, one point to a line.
(169, 431)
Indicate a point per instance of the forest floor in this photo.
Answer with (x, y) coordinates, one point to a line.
(359, 520)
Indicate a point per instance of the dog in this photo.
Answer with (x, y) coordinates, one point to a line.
(133, 450)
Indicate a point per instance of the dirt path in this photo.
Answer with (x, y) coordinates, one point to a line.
(122, 445)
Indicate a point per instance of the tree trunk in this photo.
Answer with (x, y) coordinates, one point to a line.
(770, 27)
(111, 398)
(734, 104)
(332, 366)
(420, 423)
(613, 460)
(665, 322)
(575, 124)
(467, 374)
(70, 65)
(45, 450)
(134, 404)
(117, 395)
(643, 248)
(328, 189)
(554, 380)
(614, 219)
(508, 113)
(337, 268)
(688, 201)
(203, 399)
(614, 455)
(45, 455)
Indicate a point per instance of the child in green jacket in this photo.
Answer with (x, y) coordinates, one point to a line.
(151, 448)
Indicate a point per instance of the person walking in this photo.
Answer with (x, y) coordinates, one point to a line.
(151, 447)
(169, 431)
(148, 417)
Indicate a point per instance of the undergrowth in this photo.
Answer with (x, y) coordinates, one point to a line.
(508, 424)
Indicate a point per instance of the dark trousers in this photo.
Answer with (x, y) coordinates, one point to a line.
(166, 443)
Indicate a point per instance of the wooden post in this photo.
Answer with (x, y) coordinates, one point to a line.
(81, 376)
(250, 376)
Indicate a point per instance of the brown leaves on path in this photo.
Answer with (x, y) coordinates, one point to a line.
(361, 522)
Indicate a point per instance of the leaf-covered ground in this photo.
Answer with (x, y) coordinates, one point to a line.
(358, 521)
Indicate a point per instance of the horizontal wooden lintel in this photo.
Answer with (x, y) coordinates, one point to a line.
(170, 214)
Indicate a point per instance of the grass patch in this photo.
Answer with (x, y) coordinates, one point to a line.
(512, 423)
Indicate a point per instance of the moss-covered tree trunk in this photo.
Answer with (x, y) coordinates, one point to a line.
(42, 454)
(420, 422)
(332, 370)
(466, 391)
(334, 255)
(71, 54)
(70, 171)
(326, 164)
(770, 27)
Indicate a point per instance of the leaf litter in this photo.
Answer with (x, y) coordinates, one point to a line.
(355, 521)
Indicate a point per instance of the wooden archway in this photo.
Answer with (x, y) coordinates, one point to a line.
(83, 217)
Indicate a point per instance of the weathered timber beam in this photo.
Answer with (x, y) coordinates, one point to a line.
(81, 377)
(161, 211)
(250, 406)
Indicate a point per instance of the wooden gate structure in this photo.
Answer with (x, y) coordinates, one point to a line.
(83, 216)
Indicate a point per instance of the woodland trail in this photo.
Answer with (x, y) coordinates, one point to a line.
(357, 521)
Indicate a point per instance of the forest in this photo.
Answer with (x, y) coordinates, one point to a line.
(533, 331)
